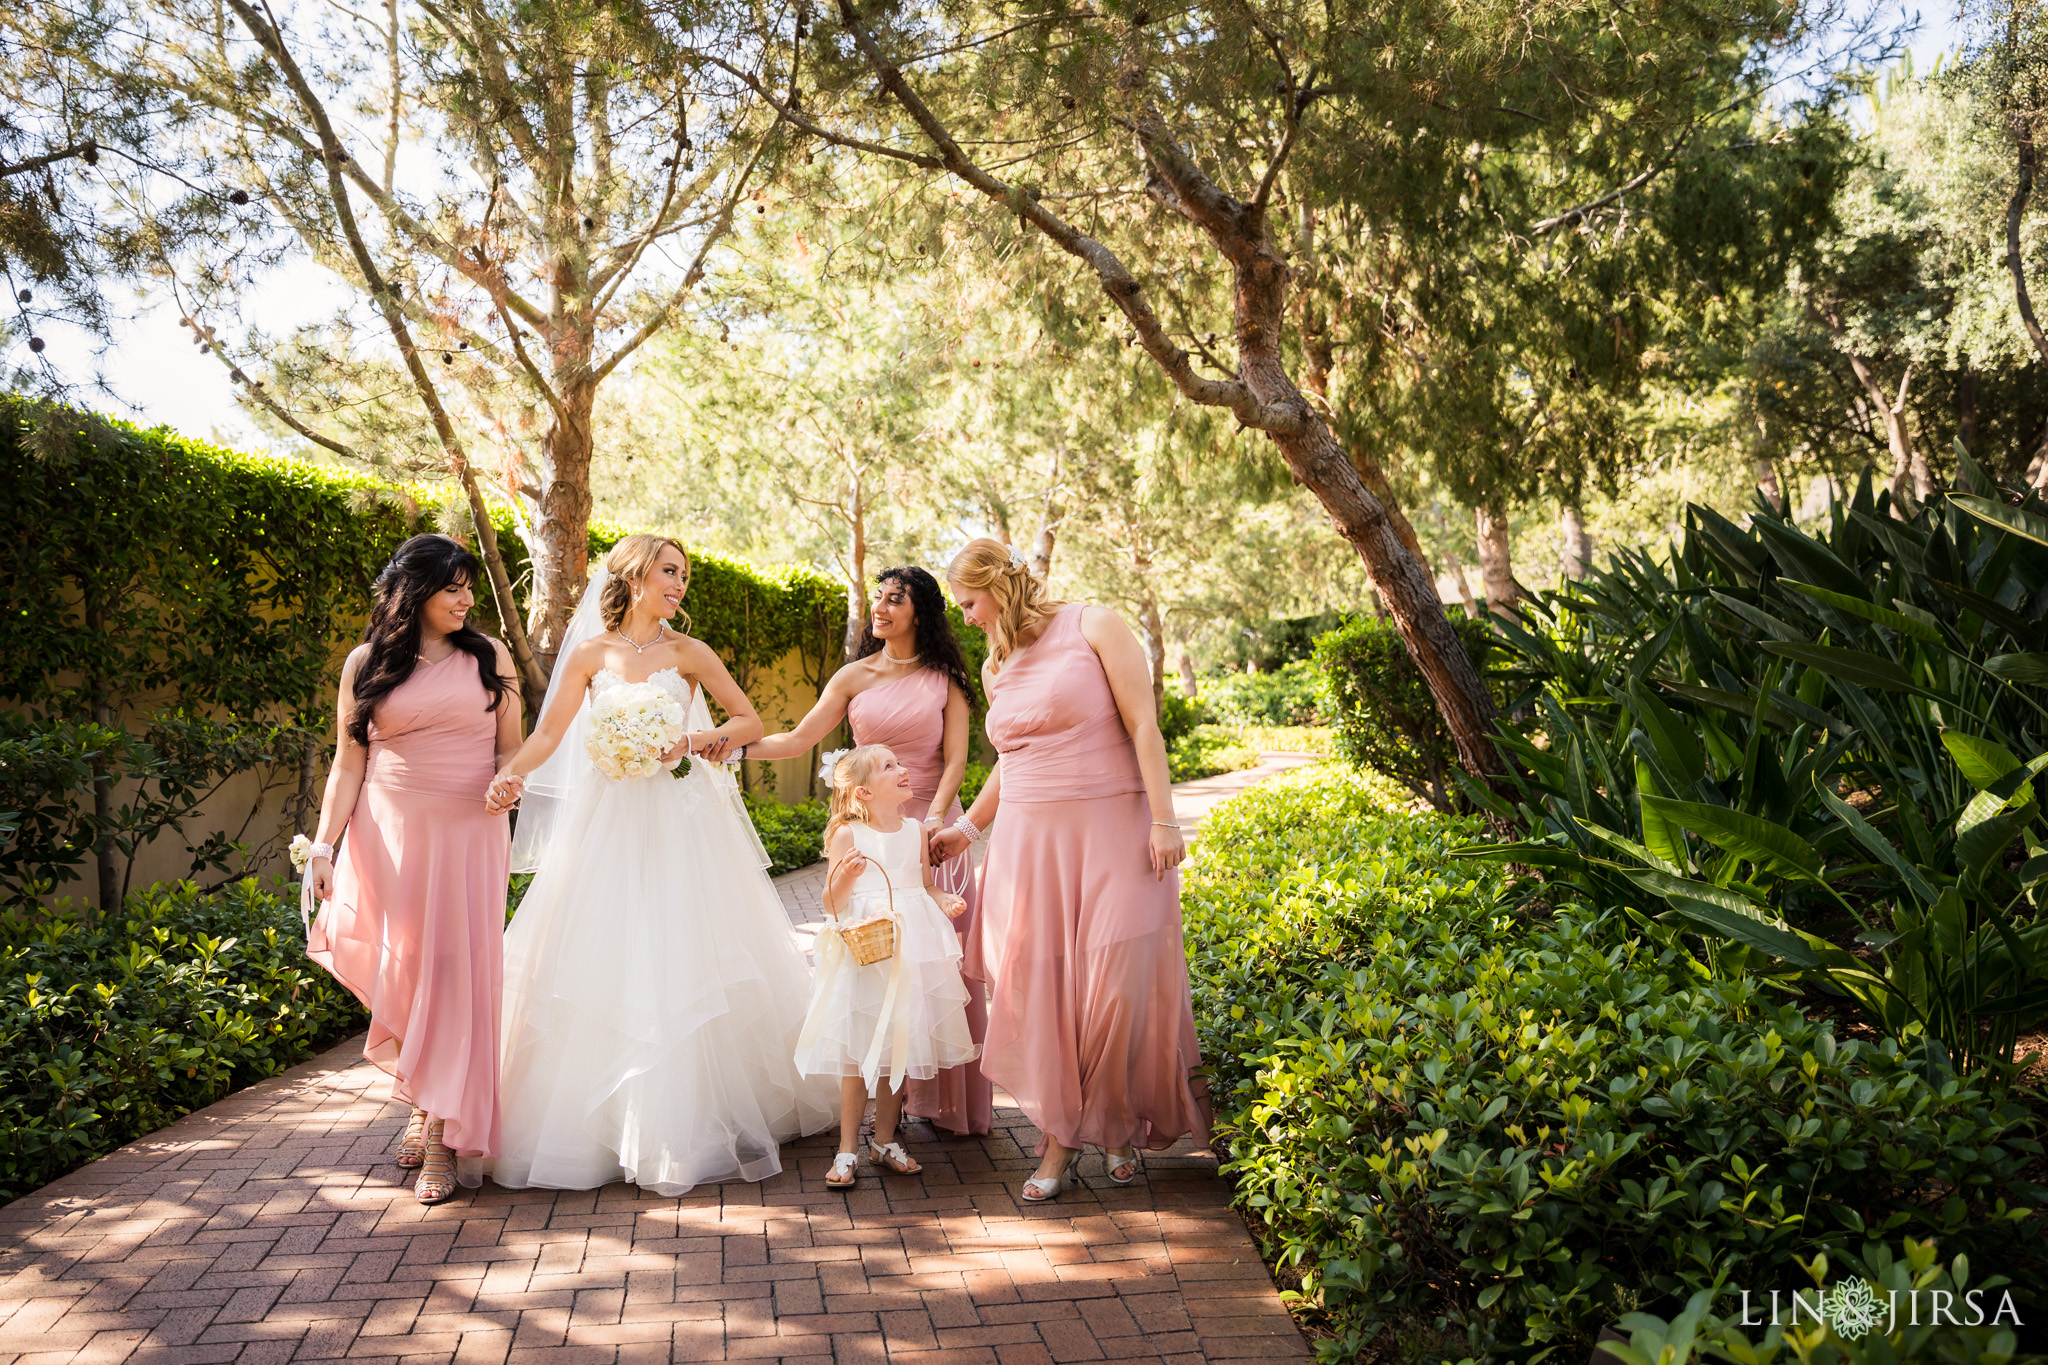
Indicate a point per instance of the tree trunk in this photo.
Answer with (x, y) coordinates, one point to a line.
(2015, 211)
(856, 573)
(1262, 394)
(1496, 567)
(1909, 468)
(1576, 557)
(1155, 649)
(1050, 515)
(1189, 684)
(1465, 591)
(561, 521)
(1966, 415)
(1768, 485)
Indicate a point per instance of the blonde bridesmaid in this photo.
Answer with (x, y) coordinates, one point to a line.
(907, 690)
(414, 915)
(1090, 1027)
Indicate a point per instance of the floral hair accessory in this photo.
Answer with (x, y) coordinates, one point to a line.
(1017, 559)
(830, 762)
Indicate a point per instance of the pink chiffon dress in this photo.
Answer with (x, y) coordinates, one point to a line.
(416, 926)
(909, 716)
(1090, 1026)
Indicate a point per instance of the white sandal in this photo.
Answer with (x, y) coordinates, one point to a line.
(845, 1172)
(1112, 1162)
(892, 1156)
(1043, 1189)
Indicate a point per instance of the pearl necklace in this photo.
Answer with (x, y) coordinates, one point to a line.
(638, 648)
(907, 659)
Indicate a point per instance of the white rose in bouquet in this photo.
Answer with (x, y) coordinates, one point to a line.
(631, 727)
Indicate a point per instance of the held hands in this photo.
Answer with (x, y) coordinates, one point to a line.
(1168, 850)
(504, 793)
(716, 747)
(954, 906)
(946, 845)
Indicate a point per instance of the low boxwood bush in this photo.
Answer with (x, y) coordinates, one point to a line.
(1292, 694)
(793, 835)
(112, 1029)
(1473, 1135)
(1206, 751)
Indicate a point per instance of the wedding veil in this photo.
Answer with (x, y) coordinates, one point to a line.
(549, 785)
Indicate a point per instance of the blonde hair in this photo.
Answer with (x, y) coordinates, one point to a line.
(855, 768)
(628, 563)
(1022, 605)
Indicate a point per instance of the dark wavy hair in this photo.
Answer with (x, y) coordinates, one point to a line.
(936, 643)
(422, 567)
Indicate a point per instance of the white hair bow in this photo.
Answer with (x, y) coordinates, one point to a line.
(831, 762)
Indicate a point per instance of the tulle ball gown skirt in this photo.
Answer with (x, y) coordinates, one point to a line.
(653, 999)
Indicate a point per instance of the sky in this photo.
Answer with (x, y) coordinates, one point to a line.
(159, 377)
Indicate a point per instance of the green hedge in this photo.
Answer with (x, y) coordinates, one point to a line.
(1490, 1136)
(1292, 694)
(171, 615)
(1381, 707)
(111, 1031)
(793, 835)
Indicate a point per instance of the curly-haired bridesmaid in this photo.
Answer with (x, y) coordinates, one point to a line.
(1090, 1027)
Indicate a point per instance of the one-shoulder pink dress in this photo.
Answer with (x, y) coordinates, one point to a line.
(1090, 1026)
(909, 716)
(416, 926)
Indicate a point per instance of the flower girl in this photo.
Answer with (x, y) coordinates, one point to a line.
(906, 1013)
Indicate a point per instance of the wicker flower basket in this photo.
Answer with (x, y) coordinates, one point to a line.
(872, 940)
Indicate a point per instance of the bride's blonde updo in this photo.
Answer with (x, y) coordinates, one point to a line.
(627, 564)
(1023, 607)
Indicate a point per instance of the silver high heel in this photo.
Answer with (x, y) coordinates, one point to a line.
(1043, 1189)
(1112, 1160)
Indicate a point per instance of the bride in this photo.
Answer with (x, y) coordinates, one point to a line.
(653, 996)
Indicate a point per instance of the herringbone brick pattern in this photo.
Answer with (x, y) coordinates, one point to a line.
(273, 1227)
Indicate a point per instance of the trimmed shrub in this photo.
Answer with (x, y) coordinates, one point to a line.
(1179, 714)
(793, 835)
(1489, 1138)
(1292, 695)
(1206, 751)
(1384, 714)
(113, 1030)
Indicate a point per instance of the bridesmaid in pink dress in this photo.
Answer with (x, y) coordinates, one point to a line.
(907, 689)
(1079, 936)
(414, 918)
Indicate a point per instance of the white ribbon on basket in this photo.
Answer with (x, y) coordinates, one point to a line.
(834, 957)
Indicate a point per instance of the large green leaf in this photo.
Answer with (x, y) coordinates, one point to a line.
(2021, 523)
(1673, 738)
(1869, 611)
(1747, 928)
(1746, 836)
(1982, 761)
(2018, 668)
(1879, 846)
(1851, 665)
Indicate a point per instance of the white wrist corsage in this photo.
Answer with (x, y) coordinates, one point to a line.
(304, 851)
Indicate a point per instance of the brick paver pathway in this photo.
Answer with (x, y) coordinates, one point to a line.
(272, 1227)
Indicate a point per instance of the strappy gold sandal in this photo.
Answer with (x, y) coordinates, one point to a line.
(891, 1156)
(436, 1184)
(412, 1148)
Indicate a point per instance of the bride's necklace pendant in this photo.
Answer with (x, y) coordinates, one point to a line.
(660, 634)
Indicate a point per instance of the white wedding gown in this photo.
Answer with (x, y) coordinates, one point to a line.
(653, 996)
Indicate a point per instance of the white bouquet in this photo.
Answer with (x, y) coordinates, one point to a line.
(631, 727)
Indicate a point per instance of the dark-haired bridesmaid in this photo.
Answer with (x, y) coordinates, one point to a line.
(907, 689)
(414, 916)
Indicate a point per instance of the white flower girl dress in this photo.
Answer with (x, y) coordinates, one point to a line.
(902, 1017)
